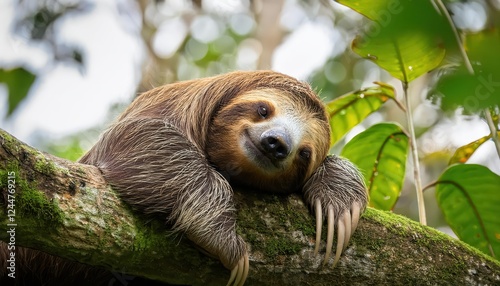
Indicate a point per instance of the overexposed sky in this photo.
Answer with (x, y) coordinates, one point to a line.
(65, 100)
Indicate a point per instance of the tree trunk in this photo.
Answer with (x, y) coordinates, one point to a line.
(67, 209)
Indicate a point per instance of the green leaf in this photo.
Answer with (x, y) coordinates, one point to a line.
(373, 10)
(474, 92)
(405, 57)
(469, 196)
(380, 153)
(18, 82)
(350, 109)
(399, 40)
(68, 148)
(463, 153)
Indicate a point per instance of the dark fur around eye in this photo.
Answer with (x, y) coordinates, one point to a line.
(305, 154)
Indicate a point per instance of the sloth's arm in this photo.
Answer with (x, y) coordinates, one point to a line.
(160, 173)
(336, 191)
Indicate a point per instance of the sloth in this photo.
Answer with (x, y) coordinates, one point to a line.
(179, 150)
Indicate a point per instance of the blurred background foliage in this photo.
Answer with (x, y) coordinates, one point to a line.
(175, 40)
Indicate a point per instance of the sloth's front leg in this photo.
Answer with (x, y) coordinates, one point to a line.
(159, 172)
(207, 215)
(336, 191)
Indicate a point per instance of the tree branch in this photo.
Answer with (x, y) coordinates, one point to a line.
(67, 209)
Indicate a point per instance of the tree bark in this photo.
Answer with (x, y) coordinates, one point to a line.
(67, 209)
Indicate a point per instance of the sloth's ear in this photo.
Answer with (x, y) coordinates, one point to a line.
(337, 192)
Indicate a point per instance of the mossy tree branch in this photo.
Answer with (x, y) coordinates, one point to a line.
(67, 209)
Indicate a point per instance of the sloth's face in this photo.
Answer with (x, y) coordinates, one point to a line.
(265, 139)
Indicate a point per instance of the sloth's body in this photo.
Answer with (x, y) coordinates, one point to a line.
(178, 151)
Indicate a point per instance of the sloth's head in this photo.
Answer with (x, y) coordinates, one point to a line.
(271, 139)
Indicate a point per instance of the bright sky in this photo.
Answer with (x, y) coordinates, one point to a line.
(65, 100)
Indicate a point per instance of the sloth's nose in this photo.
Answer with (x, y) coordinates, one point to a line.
(276, 142)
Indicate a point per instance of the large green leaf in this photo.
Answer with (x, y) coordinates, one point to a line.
(463, 153)
(399, 40)
(405, 57)
(380, 153)
(469, 196)
(18, 82)
(350, 109)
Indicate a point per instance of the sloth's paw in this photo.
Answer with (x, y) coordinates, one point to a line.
(336, 192)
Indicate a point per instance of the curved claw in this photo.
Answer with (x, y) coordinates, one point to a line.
(233, 275)
(330, 233)
(247, 268)
(356, 210)
(340, 238)
(319, 224)
(240, 272)
(347, 224)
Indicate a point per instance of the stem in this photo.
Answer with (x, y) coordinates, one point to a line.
(399, 104)
(493, 129)
(414, 153)
(470, 69)
(467, 62)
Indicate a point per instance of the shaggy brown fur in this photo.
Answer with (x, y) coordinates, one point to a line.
(159, 172)
(178, 150)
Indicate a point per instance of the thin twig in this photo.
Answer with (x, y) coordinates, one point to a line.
(443, 10)
(414, 153)
(470, 69)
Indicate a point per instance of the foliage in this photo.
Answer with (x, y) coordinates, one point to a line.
(474, 92)
(18, 81)
(38, 22)
(463, 153)
(396, 40)
(350, 109)
(68, 149)
(408, 48)
(380, 153)
(468, 196)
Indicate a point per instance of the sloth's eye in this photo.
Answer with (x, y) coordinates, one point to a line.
(305, 154)
(262, 110)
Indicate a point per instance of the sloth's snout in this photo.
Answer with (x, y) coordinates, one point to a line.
(276, 143)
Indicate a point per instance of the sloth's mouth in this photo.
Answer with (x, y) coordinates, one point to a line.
(259, 155)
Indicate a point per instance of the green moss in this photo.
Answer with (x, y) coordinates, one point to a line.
(42, 165)
(7, 140)
(141, 240)
(273, 238)
(21, 185)
(424, 237)
(254, 227)
(281, 245)
(4, 173)
(147, 237)
(304, 223)
(29, 202)
(33, 203)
